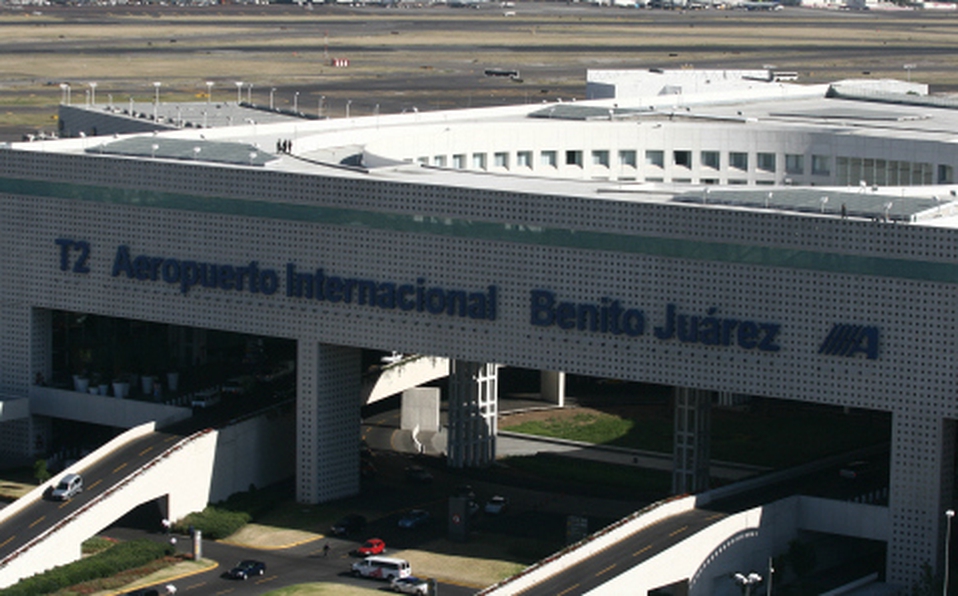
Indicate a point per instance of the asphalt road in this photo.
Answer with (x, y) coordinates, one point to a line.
(38, 517)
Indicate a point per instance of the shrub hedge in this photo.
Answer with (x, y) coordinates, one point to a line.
(123, 556)
(215, 523)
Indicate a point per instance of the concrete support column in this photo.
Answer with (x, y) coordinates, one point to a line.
(328, 419)
(18, 330)
(473, 414)
(552, 387)
(691, 449)
(921, 489)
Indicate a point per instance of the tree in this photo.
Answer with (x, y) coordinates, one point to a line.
(40, 471)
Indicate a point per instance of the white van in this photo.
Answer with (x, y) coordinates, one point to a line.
(69, 487)
(386, 568)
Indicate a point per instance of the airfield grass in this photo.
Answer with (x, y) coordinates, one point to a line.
(432, 57)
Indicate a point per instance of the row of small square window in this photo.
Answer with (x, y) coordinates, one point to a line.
(794, 163)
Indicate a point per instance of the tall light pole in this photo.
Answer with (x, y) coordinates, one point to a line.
(747, 581)
(296, 102)
(348, 103)
(92, 93)
(948, 515)
(322, 100)
(249, 94)
(239, 92)
(909, 68)
(65, 93)
(271, 92)
(209, 92)
(156, 99)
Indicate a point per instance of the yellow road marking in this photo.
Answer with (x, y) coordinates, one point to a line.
(119, 467)
(641, 550)
(716, 516)
(171, 438)
(606, 570)
(38, 520)
(679, 531)
(7, 541)
(64, 504)
(263, 580)
(224, 592)
(145, 451)
(94, 484)
(196, 585)
(567, 590)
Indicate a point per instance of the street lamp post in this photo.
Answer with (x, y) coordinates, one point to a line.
(348, 103)
(156, 100)
(239, 92)
(271, 92)
(65, 93)
(322, 100)
(948, 515)
(249, 94)
(747, 581)
(296, 102)
(909, 68)
(93, 93)
(209, 91)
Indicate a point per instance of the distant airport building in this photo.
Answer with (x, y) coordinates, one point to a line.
(714, 231)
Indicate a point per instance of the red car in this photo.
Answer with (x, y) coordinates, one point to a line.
(373, 546)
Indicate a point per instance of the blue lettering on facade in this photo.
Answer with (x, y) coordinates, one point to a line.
(606, 317)
(389, 296)
(849, 340)
(187, 274)
(712, 330)
(609, 316)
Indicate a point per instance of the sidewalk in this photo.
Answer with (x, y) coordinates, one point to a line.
(509, 444)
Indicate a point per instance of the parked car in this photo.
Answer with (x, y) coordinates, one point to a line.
(410, 585)
(414, 519)
(247, 568)
(349, 524)
(382, 568)
(418, 474)
(854, 470)
(69, 486)
(496, 505)
(466, 491)
(373, 546)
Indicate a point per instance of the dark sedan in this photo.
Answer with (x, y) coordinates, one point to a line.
(245, 569)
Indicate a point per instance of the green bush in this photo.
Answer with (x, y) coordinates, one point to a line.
(215, 523)
(123, 556)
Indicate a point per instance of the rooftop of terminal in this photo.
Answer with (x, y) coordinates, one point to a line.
(636, 140)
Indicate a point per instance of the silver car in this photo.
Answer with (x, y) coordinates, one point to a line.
(410, 585)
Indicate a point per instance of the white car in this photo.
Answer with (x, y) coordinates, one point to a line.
(496, 505)
(410, 585)
(69, 487)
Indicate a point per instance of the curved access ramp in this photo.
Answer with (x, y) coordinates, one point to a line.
(410, 372)
(139, 466)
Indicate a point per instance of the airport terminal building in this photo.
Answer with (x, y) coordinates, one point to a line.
(768, 239)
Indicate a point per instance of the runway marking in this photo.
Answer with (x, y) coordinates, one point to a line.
(7, 541)
(119, 467)
(145, 451)
(679, 531)
(567, 590)
(606, 570)
(38, 520)
(641, 550)
(94, 484)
